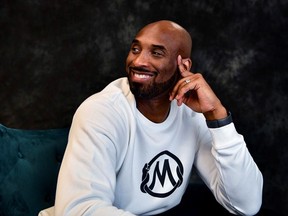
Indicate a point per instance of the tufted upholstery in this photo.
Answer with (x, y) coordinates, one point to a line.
(29, 165)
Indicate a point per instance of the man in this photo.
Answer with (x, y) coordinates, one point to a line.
(132, 146)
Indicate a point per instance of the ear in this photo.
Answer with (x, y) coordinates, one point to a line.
(187, 62)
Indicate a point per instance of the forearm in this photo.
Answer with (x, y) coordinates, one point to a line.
(241, 180)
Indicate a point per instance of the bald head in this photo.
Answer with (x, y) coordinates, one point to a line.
(178, 36)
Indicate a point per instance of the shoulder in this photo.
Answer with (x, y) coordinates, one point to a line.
(113, 101)
(115, 92)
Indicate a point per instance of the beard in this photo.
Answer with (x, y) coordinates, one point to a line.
(153, 90)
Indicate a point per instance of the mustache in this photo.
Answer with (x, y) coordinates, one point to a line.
(142, 69)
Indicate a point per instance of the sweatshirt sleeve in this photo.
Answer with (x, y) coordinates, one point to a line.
(87, 176)
(229, 170)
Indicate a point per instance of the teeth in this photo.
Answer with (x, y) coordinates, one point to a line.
(142, 76)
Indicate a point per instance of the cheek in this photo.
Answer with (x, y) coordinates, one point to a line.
(169, 70)
(128, 61)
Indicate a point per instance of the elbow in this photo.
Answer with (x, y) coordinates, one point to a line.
(248, 210)
(253, 202)
(251, 206)
(252, 209)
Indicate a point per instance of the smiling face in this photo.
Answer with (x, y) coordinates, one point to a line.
(151, 64)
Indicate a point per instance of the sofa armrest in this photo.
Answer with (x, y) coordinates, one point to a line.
(29, 165)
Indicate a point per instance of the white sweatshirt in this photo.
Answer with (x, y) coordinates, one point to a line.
(117, 162)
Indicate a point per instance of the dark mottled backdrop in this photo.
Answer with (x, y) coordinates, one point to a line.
(54, 54)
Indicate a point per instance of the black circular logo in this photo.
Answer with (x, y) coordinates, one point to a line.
(162, 175)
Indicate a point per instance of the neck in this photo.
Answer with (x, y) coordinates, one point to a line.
(156, 110)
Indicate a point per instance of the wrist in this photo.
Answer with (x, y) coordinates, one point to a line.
(220, 122)
(216, 114)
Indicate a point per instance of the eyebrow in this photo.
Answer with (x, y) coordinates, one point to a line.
(153, 45)
(135, 41)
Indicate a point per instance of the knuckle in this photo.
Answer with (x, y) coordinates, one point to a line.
(198, 75)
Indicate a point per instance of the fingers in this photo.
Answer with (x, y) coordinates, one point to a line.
(182, 88)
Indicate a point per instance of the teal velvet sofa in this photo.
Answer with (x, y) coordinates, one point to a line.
(29, 165)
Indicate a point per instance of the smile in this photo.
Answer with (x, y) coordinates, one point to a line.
(142, 76)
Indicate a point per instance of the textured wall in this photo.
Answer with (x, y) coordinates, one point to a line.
(54, 54)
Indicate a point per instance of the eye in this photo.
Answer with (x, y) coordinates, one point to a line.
(157, 53)
(135, 49)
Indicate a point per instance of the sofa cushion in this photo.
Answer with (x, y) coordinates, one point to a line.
(29, 165)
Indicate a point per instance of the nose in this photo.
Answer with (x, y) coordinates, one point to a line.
(141, 59)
